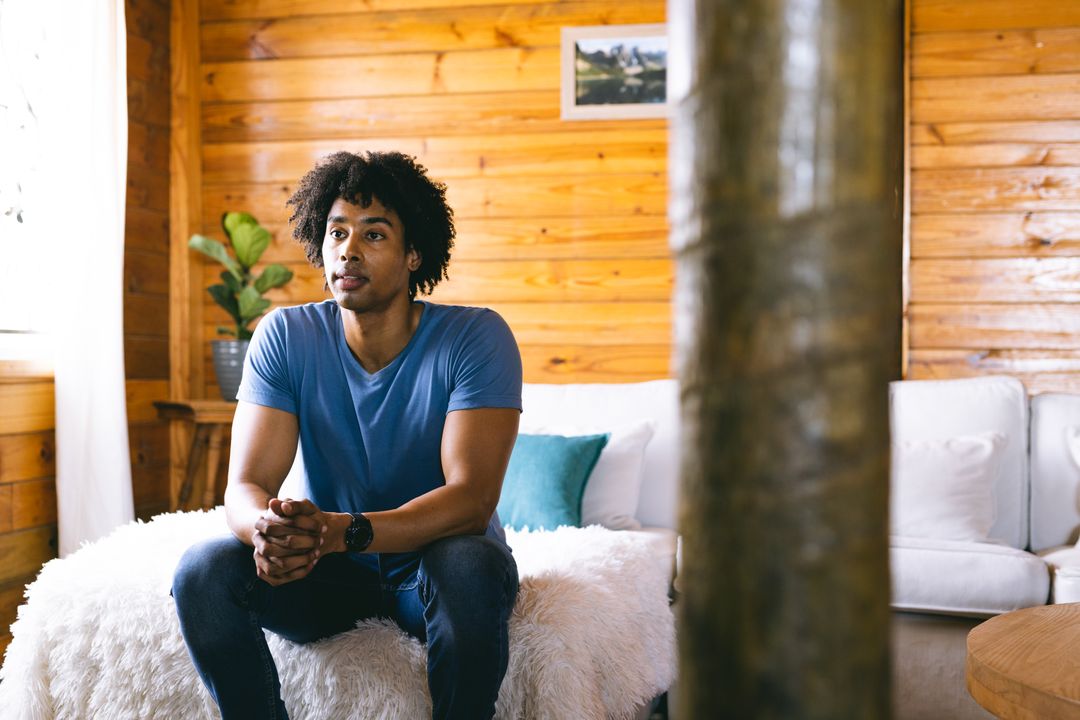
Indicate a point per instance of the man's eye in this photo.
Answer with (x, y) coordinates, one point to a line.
(375, 235)
(337, 234)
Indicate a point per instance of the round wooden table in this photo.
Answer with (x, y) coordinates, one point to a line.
(1026, 664)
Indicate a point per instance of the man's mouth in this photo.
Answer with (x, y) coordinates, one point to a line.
(349, 282)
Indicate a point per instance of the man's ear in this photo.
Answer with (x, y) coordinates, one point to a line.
(414, 259)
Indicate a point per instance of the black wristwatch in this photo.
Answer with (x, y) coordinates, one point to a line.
(359, 533)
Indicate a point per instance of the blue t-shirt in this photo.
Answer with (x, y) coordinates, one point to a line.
(372, 441)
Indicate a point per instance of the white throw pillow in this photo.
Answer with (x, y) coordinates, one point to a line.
(944, 489)
(614, 486)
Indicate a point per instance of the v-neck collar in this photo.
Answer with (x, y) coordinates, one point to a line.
(352, 365)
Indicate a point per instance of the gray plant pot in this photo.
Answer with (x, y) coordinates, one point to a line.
(229, 365)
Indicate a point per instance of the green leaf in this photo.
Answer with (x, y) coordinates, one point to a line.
(222, 330)
(224, 297)
(252, 305)
(244, 334)
(216, 250)
(249, 239)
(274, 276)
(232, 220)
(233, 284)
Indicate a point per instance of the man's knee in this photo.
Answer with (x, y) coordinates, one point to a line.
(473, 569)
(210, 567)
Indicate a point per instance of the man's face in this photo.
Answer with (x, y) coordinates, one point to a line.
(364, 256)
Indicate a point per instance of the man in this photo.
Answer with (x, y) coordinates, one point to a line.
(406, 413)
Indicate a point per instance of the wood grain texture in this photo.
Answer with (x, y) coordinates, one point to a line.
(11, 597)
(238, 9)
(1004, 326)
(33, 503)
(468, 71)
(27, 407)
(1005, 280)
(443, 115)
(1006, 52)
(945, 15)
(23, 553)
(26, 456)
(595, 364)
(1020, 664)
(995, 189)
(996, 155)
(468, 27)
(1022, 234)
(1028, 131)
(1039, 370)
(1000, 97)
(564, 153)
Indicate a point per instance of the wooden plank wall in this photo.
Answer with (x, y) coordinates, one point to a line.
(995, 188)
(561, 225)
(146, 251)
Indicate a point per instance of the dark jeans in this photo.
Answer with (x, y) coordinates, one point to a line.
(458, 601)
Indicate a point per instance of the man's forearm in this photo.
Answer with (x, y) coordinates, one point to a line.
(245, 502)
(442, 512)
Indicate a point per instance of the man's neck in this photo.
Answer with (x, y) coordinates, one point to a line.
(377, 337)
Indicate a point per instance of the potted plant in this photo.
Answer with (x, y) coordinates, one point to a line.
(240, 292)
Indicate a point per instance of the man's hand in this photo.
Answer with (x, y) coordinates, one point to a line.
(288, 540)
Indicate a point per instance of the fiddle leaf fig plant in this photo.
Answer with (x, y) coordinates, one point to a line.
(240, 292)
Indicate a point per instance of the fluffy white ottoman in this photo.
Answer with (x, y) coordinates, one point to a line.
(592, 636)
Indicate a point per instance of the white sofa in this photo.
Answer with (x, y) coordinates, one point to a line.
(943, 588)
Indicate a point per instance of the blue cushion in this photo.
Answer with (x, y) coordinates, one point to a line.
(546, 479)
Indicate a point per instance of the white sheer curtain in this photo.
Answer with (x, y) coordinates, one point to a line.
(84, 129)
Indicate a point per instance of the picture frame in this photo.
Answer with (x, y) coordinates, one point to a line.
(614, 72)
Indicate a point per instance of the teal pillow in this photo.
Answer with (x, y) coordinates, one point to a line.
(546, 479)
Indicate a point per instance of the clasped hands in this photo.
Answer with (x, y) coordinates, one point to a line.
(289, 538)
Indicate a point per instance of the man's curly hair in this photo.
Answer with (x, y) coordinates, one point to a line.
(401, 184)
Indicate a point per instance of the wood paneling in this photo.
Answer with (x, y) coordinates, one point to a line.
(998, 97)
(995, 191)
(266, 9)
(386, 76)
(423, 115)
(403, 30)
(580, 152)
(1010, 52)
(939, 15)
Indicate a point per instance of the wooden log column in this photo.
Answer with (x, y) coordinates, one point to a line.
(786, 176)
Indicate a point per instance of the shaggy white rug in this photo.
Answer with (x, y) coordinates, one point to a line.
(591, 637)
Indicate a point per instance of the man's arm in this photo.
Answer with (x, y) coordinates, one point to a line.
(476, 446)
(263, 447)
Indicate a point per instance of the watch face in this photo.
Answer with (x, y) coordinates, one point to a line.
(359, 534)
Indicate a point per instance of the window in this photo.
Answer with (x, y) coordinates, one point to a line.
(27, 282)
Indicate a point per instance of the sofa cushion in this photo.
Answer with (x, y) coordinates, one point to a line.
(1055, 476)
(942, 409)
(956, 577)
(546, 479)
(945, 488)
(612, 491)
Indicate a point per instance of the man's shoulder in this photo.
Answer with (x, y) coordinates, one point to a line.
(304, 318)
(461, 317)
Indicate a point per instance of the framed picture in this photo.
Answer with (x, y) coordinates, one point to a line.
(614, 72)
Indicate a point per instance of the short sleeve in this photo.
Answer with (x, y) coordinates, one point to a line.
(266, 368)
(486, 366)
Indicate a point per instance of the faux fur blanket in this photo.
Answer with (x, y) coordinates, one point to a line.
(591, 637)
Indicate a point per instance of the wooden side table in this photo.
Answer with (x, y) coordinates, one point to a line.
(210, 418)
(1026, 663)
